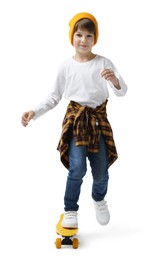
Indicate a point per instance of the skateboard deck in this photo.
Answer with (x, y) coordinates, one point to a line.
(67, 235)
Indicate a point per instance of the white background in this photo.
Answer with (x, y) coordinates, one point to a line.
(33, 43)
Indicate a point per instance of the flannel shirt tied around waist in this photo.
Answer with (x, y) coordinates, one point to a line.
(87, 124)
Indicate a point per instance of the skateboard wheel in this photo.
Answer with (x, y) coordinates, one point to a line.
(75, 243)
(58, 243)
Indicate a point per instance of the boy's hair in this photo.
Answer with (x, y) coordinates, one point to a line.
(85, 24)
(83, 21)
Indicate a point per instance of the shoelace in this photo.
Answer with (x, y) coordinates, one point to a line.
(102, 207)
(70, 214)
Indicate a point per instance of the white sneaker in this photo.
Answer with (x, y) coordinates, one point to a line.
(102, 212)
(70, 219)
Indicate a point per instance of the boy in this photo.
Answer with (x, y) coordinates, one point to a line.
(86, 131)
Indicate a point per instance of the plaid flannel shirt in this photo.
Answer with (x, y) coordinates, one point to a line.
(87, 125)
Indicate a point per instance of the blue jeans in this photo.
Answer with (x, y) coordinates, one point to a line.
(78, 167)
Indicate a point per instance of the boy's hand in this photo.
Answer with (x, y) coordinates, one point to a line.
(27, 116)
(108, 74)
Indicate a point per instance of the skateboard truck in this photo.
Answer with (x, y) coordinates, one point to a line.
(67, 241)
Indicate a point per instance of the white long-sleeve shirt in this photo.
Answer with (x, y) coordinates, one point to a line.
(81, 82)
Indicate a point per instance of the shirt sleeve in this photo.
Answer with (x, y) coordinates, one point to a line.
(52, 98)
(124, 88)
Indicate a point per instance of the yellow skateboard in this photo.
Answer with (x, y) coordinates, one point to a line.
(67, 235)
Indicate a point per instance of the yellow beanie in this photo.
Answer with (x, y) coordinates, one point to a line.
(78, 17)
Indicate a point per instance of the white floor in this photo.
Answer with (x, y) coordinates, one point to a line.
(31, 211)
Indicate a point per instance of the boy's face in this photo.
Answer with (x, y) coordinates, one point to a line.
(83, 41)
